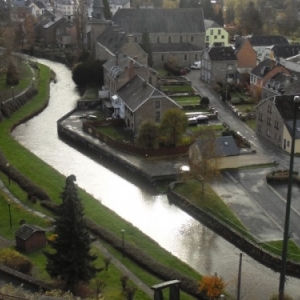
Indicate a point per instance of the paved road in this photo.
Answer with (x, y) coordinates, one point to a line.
(260, 207)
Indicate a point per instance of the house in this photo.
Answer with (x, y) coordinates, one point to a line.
(274, 121)
(114, 5)
(262, 73)
(65, 8)
(49, 30)
(215, 35)
(66, 34)
(219, 64)
(280, 51)
(261, 42)
(39, 7)
(176, 35)
(30, 237)
(141, 101)
(246, 57)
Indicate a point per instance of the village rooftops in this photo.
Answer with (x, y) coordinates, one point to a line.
(222, 53)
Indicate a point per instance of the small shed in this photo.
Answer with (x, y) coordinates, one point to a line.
(30, 237)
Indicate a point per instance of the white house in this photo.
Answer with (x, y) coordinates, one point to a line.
(114, 5)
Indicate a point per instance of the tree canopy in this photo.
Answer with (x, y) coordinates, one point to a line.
(173, 125)
(250, 20)
(148, 134)
(70, 259)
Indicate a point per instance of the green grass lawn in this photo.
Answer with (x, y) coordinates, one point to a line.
(188, 100)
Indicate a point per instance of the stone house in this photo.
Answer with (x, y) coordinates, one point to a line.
(141, 101)
(215, 35)
(30, 237)
(49, 30)
(39, 7)
(262, 73)
(246, 57)
(261, 42)
(176, 35)
(66, 34)
(219, 64)
(274, 121)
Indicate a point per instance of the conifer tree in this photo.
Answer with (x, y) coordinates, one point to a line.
(71, 260)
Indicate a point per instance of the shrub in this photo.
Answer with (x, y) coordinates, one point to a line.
(204, 102)
(15, 260)
(285, 297)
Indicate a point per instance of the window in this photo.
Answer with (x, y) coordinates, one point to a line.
(162, 58)
(157, 104)
(157, 116)
(288, 143)
(222, 37)
(157, 39)
(269, 121)
(215, 37)
(169, 39)
(260, 117)
(135, 39)
(196, 57)
(211, 32)
(219, 31)
(269, 109)
(268, 132)
(207, 38)
(185, 57)
(276, 125)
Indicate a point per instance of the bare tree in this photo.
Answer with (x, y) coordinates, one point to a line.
(204, 157)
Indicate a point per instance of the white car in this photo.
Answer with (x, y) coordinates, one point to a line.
(196, 65)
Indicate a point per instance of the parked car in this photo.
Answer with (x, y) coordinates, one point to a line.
(202, 119)
(192, 121)
(188, 69)
(196, 65)
(183, 72)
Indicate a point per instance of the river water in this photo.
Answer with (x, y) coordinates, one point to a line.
(173, 229)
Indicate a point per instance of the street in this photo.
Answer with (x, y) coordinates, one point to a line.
(260, 207)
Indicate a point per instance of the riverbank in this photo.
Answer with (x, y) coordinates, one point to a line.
(70, 127)
(52, 182)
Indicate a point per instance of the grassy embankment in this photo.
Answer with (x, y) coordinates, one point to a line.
(52, 182)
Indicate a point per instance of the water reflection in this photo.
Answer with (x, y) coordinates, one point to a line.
(139, 203)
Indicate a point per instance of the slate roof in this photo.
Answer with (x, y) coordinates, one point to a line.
(285, 51)
(267, 40)
(293, 88)
(40, 4)
(113, 38)
(221, 53)
(239, 42)
(137, 91)
(157, 20)
(57, 21)
(263, 68)
(211, 24)
(123, 63)
(174, 47)
(224, 146)
(279, 80)
(285, 105)
(26, 230)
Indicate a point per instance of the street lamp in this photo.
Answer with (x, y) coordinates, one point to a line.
(8, 172)
(288, 205)
(9, 213)
(123, 245)
(13, 93)
(32, 82)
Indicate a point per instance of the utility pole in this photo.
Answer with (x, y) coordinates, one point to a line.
(238, 296)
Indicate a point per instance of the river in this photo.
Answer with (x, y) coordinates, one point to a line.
(180, 234)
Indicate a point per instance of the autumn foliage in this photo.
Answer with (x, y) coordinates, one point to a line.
(213, 286)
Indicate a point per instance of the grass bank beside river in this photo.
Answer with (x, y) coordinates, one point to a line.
(52, 182)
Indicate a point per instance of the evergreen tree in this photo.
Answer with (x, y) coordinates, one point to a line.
(208, 10)
(107, 12)
(146, 46)
(71, 260)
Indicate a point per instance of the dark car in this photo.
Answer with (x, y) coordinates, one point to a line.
(183, 72)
